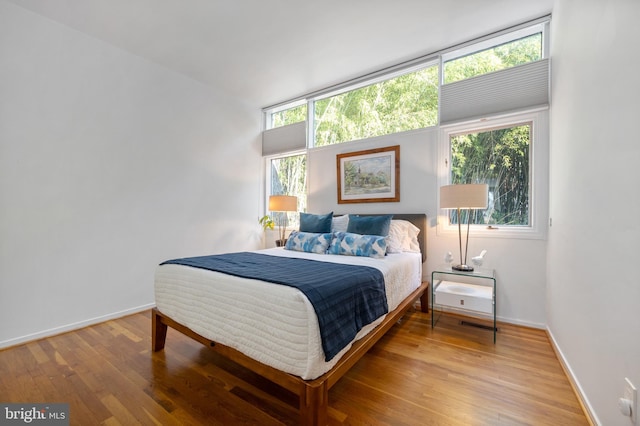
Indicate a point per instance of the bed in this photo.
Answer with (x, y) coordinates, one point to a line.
(273, 329)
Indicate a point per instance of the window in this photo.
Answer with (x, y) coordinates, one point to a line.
(476, 92)
(405, 102)
(413, 95)
(506, 55)
(287, 115)
(500, 158)
(501, 153)
(287, 175)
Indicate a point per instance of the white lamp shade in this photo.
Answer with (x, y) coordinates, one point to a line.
(465, 196)
(283, 203)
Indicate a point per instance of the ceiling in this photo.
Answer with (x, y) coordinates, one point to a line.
(268, 51)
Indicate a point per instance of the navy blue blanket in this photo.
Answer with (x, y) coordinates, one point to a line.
(345, 297)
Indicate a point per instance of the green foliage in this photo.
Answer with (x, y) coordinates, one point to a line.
(290, 116)
(266, 222)
(500, 158)
(507, 55)
(407, 102)
(289, 176)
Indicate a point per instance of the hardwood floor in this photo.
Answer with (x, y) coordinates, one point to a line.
(451, 375)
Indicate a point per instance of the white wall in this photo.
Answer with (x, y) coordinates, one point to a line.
(593, 290)
(109, 164)
(520, 264)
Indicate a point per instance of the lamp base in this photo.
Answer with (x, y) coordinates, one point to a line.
(464, 268)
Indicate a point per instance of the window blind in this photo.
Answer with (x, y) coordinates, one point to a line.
(512, 89)
(280, 140)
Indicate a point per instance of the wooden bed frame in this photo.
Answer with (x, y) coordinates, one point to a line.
(313, 394)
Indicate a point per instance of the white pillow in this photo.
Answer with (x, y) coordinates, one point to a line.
(340, 223)
(403, 237)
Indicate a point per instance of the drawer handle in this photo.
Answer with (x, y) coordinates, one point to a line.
(462, 301)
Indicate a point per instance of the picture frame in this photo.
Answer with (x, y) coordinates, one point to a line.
(369, 176)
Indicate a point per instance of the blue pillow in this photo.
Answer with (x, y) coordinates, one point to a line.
(346, 244)
(308, 242)
(317, 223)
(369, 225)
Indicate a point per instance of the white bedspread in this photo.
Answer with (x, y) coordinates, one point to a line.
(271, 323)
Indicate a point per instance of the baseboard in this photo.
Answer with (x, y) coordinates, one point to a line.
(575, 384)
(522, 323)
(499, 318)
(74, 326)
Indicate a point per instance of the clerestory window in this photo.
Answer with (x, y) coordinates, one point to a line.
(495, 58)
(406, 102)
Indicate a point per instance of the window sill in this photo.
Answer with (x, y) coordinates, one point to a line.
(494, 231)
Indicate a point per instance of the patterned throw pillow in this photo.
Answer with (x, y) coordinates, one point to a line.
(308, 242)
(348, 244)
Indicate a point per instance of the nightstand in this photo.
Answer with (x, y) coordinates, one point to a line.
(472, 293)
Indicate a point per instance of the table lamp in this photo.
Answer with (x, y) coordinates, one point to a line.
(283, 204)
(464, 197)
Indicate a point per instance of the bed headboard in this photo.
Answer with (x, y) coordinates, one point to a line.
(417, 219)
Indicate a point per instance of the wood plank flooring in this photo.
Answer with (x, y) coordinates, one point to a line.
(415, 375)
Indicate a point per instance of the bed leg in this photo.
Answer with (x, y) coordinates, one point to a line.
(158, 331)
(314, 402)
(424, 300)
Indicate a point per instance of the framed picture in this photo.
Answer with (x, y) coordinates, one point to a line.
(370, 176)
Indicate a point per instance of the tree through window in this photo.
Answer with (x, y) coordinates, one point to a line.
(500, 158)
(402, 103)
(288, 176)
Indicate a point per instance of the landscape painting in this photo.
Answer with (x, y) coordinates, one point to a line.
(371, 176)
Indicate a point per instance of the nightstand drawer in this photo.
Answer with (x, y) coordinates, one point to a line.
(465, 296)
